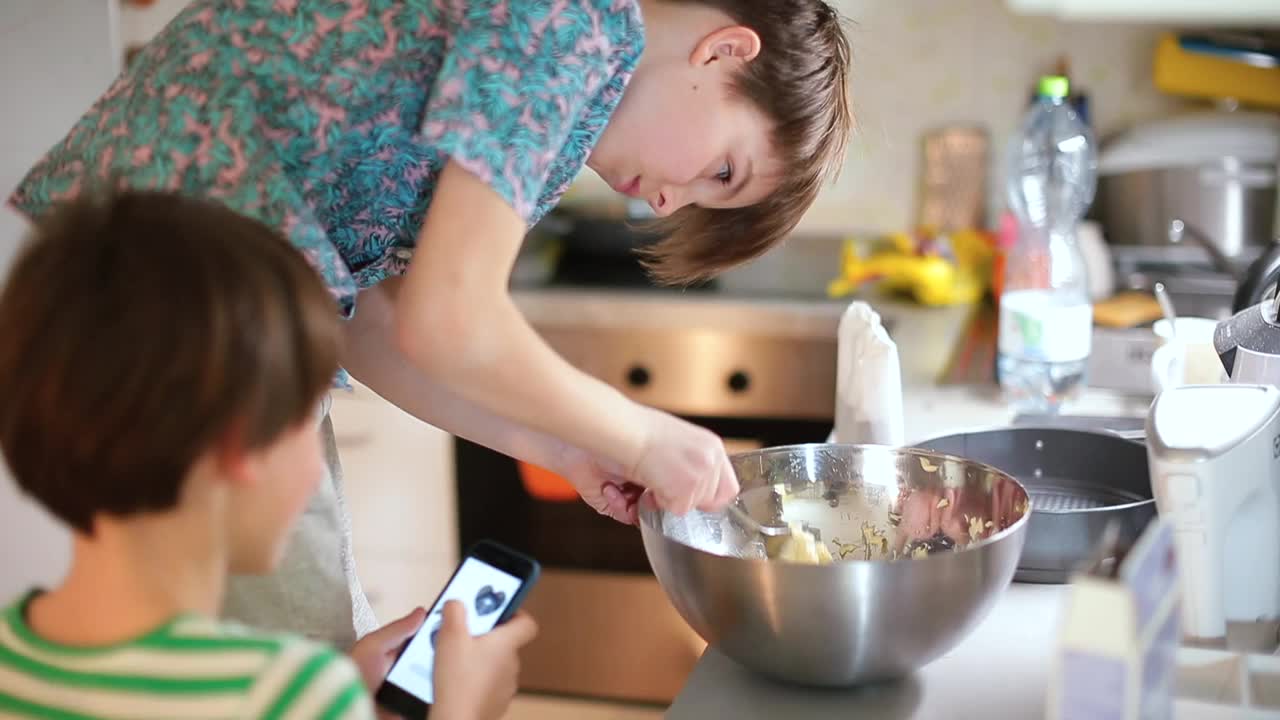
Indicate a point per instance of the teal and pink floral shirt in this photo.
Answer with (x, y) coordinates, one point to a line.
(331, 120)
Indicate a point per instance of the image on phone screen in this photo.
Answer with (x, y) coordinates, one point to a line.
(485, 591)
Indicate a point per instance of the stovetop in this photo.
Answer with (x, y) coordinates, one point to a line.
(593, 272)
(800, 269)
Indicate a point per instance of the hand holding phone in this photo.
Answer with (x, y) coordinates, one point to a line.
(374, 653)
(460, 660)
(476, 677)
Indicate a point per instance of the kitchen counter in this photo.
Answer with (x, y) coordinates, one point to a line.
(931, 411)
(1000, 672)
(926, 337)
(1001, 669)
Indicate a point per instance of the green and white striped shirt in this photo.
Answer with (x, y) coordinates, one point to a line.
(192, 667)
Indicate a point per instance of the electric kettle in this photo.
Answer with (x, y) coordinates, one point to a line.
(1214, 457)
(1248, 343)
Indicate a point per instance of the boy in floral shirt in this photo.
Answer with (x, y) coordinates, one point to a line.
(407, 145)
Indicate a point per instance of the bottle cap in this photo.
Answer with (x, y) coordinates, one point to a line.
(1054, 86)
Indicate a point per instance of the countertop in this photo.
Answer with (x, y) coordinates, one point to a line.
(931, 411)
(999, 672)
(1001, 669)
(926, 337)
(782, 294)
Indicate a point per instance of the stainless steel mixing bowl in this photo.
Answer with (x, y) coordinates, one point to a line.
(878, 613)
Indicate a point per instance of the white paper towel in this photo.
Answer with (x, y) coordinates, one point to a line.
(868, 381)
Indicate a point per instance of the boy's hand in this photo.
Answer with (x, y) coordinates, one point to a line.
(374, 653)
(476, 677)
(601, 484)
(686, 466)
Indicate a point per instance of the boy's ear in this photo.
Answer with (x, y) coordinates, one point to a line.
(232, 459)
(737, 42)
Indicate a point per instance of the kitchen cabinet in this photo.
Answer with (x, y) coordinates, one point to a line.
(1199, 12)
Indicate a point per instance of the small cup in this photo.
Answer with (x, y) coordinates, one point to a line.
(1168, 367)
(1187, 358)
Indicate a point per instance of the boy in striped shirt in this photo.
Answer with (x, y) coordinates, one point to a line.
(170, 419)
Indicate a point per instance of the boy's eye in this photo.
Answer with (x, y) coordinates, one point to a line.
(726, 174)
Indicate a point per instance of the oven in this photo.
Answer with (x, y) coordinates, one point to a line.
(758, 376)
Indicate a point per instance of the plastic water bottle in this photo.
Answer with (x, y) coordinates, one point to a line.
(1046, 319)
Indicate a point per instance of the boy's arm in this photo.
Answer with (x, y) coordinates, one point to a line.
(456, 323)
(372, 356)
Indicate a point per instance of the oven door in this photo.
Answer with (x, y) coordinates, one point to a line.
(607, 629)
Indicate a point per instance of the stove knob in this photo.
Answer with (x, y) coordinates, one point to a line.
(638, 376)
(739, 382)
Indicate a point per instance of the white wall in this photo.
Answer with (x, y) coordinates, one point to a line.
(56, 57)
(140, 24)
(919, 65)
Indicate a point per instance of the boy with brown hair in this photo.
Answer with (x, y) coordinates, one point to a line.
(171, 421)
(407, 147)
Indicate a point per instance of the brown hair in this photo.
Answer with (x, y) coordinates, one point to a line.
(141, 329)
(800, 81)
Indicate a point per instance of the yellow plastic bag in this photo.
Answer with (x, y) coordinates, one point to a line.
(936, 271)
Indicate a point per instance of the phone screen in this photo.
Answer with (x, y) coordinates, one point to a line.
(485, 591)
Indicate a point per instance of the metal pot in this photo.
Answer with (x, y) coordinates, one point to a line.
(1216, 171)
(1079, 481)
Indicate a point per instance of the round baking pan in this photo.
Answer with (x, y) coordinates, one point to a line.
(1079, 481)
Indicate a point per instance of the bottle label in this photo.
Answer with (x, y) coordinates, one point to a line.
(1033, 326)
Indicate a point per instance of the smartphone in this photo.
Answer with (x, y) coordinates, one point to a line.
(491, 581)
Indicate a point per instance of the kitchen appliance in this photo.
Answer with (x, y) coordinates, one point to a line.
(1215, 468)
(1194, 282)
(1259, 281)
(1254, 282)
(1122, 356)
(755, 376)
(751, 356)
(1239, 66)
(1079, 481)
(596, 245)
(1248, 343)
(598, 232)
(864, 617)
(1183, 12)
(1214, 170)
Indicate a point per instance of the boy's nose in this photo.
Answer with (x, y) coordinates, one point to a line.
(666, 201)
